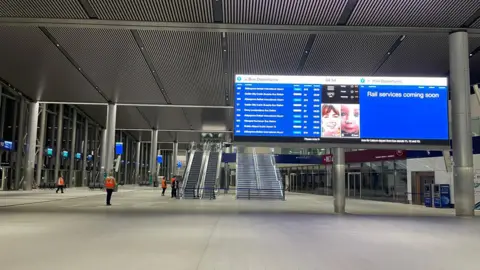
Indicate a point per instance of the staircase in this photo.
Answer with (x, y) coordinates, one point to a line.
(211, 176)
(246, 178)
(193, 176)
(271, 187)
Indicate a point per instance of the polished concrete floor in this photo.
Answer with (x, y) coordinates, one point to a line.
(143, 230)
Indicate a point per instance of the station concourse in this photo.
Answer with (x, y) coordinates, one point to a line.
(145, 91)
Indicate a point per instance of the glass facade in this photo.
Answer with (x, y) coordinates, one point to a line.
(381, 180)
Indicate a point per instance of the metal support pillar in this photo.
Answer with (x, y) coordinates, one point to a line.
(20, 145)
(175, 158)
(153, 155)
(31, 147)
(2, 119)
(85, 153)
(103, 153)
(95, 142)
(138, 160)
(111, 122)
(58, 149)
(126, 159)
(73, 149)
(339, 180)
(461, 129)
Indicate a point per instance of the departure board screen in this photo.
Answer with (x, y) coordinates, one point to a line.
(319, 109)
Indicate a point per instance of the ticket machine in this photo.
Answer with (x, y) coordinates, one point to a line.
(427, 195)
(442, 197)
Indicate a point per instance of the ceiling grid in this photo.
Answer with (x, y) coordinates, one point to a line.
(37, 68)
(114, 61)
(286, 12)
(189, 65)
(61, 9)
(418, 56)
(343, 55)
(198, 11)
(425, 13)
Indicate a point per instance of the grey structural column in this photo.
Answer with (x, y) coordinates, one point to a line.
(111, 122)
(103, 152)
(58, 149)
(95, 152)
(126, 159)
(137, 159)
(339, 181)
(31, 147)
(175, 158)
(461, 129)
(20, 144)
(73, 149)
(153, 155)
(85, 153)
(41, 143)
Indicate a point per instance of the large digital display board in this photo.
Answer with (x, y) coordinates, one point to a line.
(357, 110)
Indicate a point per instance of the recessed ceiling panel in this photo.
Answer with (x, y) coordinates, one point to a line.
(97, 112)
(208, 118)
(61, 9)
(305, 12)
(114, 62)
(189, 65)
(476, 24)
(32, 63)
(165, 118)
(418, 56)
(154, 10)
(345, 55)
(130, 117)
(425, 13)
(265, 53)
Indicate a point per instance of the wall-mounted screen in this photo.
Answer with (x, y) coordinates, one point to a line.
(65, 154)
(49, 152)
(356, 110)
(78, 155)
(118, 148)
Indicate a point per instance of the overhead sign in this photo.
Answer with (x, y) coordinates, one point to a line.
(118, 148)
(65, 154)
(356, 110)
(49, 152)
(159, 159)
(179, 164)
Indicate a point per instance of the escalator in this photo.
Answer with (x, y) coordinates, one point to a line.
(193, 176)
(211, 176)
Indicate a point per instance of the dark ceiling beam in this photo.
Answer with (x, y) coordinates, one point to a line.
(88, 9)
(347, 12)
(156, 77)
(217, 11)
(232, 28)
(389, 53)
(73, 62)
(472, 19)
(306, 53)
(226, 79)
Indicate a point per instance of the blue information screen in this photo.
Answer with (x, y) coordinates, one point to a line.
(372, 110)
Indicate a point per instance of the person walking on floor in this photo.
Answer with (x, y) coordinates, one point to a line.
(164, 186)
(110, 184)
(60, 183)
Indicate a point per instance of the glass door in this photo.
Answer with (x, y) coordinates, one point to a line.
(354, 185)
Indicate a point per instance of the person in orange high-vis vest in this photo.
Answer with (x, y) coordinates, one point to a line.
(164, 186)
(60, 183)
(110, 184)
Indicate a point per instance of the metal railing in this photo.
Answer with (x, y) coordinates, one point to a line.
(187, 171)
(203, 174)
(256, 169)
(219, 167)
(274, 165)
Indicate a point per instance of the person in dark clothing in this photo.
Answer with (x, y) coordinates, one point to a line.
(174, 187)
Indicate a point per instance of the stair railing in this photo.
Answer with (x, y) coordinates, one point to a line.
(219, 167)
(203, 174)
(274, 165)
(187, 173)
(256, 169)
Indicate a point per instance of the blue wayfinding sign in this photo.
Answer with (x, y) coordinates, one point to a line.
(179, 164)
(118, 148)
(160, 159)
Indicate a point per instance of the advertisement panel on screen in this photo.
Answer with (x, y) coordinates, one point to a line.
(321, 109)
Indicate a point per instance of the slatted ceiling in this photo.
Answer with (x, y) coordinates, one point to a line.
(336, 54)
(305, 12)
(165, 136)
(165, 118)
(207, 118)
(418, 56)
(265, 53)
(425, 13)
(189, 65)
(476, 24)
(113, 60)
(97, 112)
(130, 117)
(198, 11)
(33, 64)
(61, 9)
